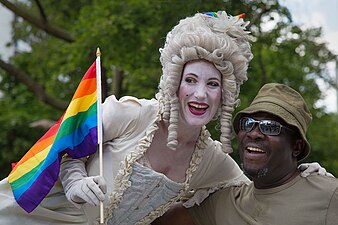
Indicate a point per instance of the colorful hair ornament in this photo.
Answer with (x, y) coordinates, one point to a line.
(241, 16)
(222, 22)
(212, 14)
(217, 14)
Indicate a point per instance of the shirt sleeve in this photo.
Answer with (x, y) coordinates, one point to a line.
(119, 116)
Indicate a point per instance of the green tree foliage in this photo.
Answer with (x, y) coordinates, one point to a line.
(129, 33)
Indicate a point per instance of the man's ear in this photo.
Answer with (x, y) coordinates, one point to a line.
(298, 147)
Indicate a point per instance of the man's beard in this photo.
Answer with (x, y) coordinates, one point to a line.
(255, 173)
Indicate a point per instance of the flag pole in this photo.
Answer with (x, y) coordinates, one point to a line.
(99, 120)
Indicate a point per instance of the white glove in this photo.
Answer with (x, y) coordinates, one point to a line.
(78, 187)
(309, 168)
(88, 190)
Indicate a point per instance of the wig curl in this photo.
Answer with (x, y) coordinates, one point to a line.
(218, 38)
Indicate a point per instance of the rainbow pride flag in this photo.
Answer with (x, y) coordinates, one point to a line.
(76, 133)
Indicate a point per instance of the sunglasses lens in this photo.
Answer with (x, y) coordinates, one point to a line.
(246, 124)
(269, 127)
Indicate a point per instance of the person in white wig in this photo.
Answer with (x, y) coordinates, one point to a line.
(158, 151)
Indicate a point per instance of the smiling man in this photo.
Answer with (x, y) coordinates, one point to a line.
(271, 135)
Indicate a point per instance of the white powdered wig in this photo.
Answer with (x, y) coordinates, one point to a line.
(218, 38)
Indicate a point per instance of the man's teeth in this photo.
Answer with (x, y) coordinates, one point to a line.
(198, 106)
(253, 149)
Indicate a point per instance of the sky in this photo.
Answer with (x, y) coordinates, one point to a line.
(319, 13)
(305, 13)
(5, 32)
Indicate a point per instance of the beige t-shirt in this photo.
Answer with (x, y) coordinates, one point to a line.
(303, 201)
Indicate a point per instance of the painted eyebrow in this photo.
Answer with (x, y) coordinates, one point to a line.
(191, 74)
(215, 78)
(195, 75)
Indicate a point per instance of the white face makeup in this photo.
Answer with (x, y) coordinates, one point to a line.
(199, 92)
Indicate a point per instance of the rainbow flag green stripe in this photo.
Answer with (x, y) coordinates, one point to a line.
(26, 177)
(73, 123)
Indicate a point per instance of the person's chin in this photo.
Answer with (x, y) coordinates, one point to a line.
(197, 121)
(197, 124)
(254, 172)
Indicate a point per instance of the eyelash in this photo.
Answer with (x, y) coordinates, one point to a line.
(214, 84)
(192, 80)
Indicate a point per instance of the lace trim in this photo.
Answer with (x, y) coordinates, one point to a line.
(195, 160)
(122, 179)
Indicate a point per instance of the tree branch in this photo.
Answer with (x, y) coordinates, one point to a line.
(32, 85)
(42, 12)
(42, 24)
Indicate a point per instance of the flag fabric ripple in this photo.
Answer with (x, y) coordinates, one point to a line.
(75, 134)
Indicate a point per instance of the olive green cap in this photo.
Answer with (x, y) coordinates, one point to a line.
(284, 102)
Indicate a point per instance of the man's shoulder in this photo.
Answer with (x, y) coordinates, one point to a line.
(323, 182)
(317, 177)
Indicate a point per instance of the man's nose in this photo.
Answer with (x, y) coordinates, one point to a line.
(255, 132)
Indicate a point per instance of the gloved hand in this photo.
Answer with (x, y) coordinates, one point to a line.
(87, 190)
(309, 168)
(80, 188)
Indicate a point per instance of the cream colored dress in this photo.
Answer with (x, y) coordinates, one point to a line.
(129, 125)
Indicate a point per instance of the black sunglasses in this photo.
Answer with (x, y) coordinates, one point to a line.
(267, 127)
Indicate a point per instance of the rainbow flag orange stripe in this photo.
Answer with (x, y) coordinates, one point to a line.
(75, 134)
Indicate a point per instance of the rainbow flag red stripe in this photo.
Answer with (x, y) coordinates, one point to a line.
(75, 134)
